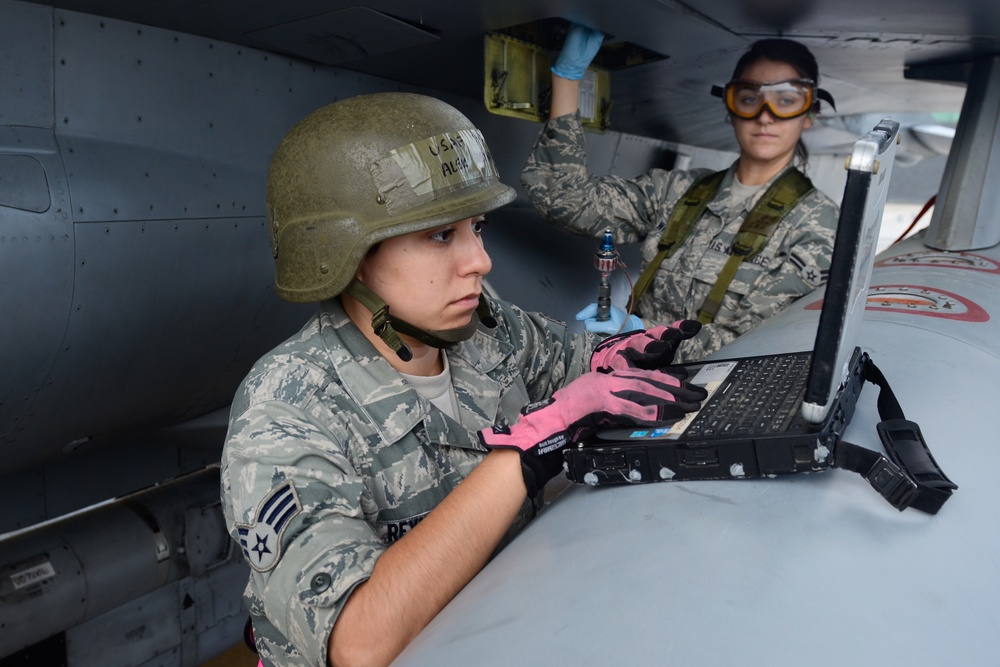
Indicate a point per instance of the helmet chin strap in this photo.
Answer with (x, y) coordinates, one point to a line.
(386, 326)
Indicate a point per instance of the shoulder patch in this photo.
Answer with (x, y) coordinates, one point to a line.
(261, 540)
(809, 272)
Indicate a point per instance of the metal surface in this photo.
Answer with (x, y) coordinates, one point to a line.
(967, 217)
(134, 302)
(74, 571)
(813, 568)
(441, 45)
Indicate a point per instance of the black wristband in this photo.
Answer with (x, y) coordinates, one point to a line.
(538, 470)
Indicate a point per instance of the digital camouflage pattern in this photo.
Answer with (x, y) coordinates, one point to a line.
(331, 456)
(794, 262)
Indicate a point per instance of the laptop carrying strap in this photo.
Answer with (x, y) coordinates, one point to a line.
(909, 477)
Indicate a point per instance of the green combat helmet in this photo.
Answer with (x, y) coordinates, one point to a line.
(365, 169)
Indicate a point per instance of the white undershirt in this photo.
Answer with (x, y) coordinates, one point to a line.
(742, 193)
(437, 389)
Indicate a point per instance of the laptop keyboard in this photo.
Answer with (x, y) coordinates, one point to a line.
(760, 396)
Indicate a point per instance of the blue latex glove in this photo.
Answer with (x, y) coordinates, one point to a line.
(578, 50)
(612, 326)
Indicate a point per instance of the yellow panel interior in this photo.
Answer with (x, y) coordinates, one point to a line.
(518, 83)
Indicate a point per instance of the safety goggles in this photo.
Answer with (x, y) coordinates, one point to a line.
(786, 99)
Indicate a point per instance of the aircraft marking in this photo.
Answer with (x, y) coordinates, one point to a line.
(33, 575)
(943, 259)
(919, 300)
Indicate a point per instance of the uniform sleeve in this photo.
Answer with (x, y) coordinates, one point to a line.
(293, 501)
(557, 182)
(803, 261)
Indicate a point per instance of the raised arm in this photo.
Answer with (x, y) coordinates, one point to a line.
(579, 49)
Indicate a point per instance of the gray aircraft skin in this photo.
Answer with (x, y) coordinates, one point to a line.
(136, 291)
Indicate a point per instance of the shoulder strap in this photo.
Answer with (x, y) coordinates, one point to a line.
(688, 209)
(754, 233)
(910, 477)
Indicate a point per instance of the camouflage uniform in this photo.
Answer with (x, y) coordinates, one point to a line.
(793, 263)
(331, 456)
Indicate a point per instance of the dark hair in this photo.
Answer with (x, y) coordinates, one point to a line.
(780, 50)
(791, 53)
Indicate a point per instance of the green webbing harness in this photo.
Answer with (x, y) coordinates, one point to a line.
(753, 235)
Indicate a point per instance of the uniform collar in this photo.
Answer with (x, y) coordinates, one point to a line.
(393, 406)
(720, 202)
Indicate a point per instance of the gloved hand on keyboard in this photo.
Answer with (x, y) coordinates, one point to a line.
(592, 401)
(650, 349)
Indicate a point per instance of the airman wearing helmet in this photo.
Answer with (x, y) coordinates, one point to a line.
(339, 185)
(376, 459)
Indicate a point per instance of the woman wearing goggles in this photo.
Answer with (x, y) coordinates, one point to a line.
(688, 232)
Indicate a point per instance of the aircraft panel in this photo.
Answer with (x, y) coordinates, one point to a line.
(813, 568)
(26, 87)
(969, 195)
(910, 20)
(343, 35)
(150, 572)
(702, 40)
(171, 201)
(145, 349)
(91, 471)
(137, 149)
(23, 495)
(37, 248)
(184, 623)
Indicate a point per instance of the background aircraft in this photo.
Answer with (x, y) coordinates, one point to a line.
(135, 292)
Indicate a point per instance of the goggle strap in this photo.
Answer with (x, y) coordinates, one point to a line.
(826, 97)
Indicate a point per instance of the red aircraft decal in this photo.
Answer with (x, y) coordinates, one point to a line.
(919, 300)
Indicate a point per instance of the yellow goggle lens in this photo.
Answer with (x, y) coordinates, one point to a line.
(783, 99)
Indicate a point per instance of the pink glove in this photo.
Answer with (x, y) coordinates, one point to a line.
(592, 401)
(650, 349)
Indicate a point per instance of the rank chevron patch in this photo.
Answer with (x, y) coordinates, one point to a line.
(261, 541)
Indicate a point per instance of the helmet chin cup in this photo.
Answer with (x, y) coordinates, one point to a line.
(388, 327)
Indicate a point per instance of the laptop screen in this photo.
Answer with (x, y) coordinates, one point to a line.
(869, 169)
